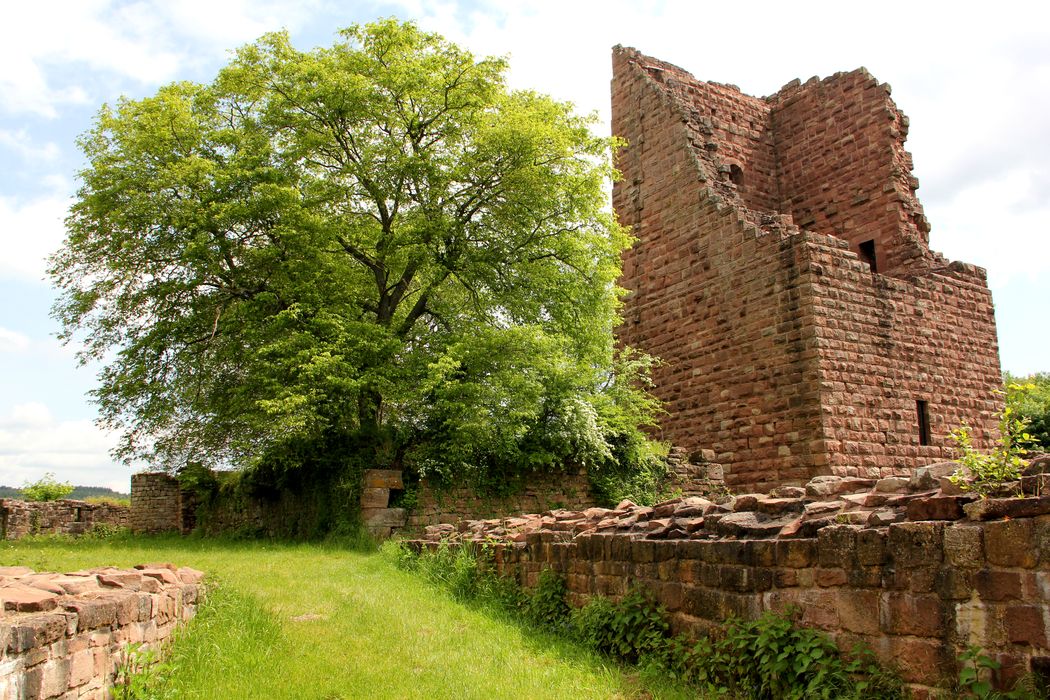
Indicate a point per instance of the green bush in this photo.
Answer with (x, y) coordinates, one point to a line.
(546, 606)
(633, 629)
(988, 473)
(46, 489)
(1033, 405)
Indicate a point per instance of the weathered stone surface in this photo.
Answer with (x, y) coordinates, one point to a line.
(22, 598)
(997, 508)
(751, 226)
(73, 650)
(64, 516)
(892, 484)
(938, 508)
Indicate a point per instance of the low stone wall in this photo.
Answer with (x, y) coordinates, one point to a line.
(538, 493)
(67, 517)
(65, 635)
(916, 575)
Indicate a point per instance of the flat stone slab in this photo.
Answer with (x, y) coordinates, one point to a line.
(21, 598)
(998, 508)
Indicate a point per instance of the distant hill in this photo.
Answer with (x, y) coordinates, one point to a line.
(79, 492)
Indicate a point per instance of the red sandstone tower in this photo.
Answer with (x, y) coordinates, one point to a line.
(783, 273)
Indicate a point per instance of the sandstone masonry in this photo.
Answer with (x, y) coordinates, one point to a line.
(64, 635)
(911, 567)
(783, 273)
(66, 517)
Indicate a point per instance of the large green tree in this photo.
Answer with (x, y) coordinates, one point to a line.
(376, 238)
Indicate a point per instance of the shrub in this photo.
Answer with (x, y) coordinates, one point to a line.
(546, 606)
(631, 630)
(46, 488)
(1034, 405)
(989, 473)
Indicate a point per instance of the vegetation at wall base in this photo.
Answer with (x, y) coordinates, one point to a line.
(770, 658)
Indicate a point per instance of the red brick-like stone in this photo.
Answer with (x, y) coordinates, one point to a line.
(748, 278)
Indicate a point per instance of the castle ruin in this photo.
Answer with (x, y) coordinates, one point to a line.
(784, 276)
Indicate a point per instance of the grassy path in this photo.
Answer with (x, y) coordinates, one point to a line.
(313, 621)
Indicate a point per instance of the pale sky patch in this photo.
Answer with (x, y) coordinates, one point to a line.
(33, 442)
(21, 143)
(13, 341)
(29, 232)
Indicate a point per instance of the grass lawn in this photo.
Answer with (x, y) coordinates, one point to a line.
(324, 621)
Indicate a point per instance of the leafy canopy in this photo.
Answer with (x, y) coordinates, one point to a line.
(377, 238)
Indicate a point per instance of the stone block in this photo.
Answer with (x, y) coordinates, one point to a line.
(995, 585)
(796, 554)
(375, 497)
(1011, 543)
(916, 544)
(938, 508)
(912, 614)
(1024, 624)
(964, 546)
(858, 611)
(382, 479)
(997, 508)
(837, 546)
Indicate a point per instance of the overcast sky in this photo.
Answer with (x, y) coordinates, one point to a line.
(973, 78)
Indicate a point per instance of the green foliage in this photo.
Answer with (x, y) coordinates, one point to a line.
(975, 679)
(47, 488)
(138, 673)
(989, 473)
(633, 629)
(546, 606)
(376, 238)
(771, 658)
(765, 659)
(1033, 405)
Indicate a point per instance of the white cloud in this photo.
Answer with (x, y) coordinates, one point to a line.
(33, 442)
(13, 341)
(22, 144)
(45, 46)
(29, 232)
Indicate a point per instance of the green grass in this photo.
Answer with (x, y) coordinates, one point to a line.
(327, 621)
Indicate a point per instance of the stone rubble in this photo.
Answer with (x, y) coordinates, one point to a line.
(784, 513)
(63, 635)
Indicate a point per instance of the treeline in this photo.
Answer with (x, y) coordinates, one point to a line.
(79, 493)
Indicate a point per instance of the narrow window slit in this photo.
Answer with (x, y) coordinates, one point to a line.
(922, 408)
(867, 254)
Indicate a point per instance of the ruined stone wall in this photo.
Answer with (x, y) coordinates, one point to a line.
(715, 298)
(156, 503)
(886, 344)
(842, 168)
(917, 594)
(64, 635)
(66, 517)
(913, 568)
(783, 351)
(541, 492)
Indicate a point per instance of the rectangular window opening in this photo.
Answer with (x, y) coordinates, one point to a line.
(922, 408)
(867, 254)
